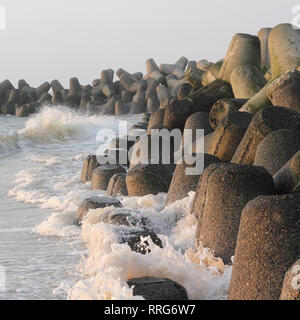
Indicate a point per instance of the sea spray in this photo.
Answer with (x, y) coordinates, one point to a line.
(109, 264)
(52, 183)
(55, 125)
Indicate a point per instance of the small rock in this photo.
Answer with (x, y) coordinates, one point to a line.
(157, 289)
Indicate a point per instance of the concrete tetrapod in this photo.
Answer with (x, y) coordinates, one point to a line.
(243, 49)
(264, 122)
(267, 246)
(222, 193)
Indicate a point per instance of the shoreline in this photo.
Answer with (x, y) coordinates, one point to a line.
(243, 204)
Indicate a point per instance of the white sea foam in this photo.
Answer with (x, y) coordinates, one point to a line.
(109, 264)
(55, 124)
(51, 181)
(59, 224)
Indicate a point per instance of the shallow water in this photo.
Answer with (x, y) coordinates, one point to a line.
(46, 256)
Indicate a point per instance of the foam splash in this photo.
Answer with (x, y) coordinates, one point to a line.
(109, 264)
(53, 184)
(59, 225)
(55, 124)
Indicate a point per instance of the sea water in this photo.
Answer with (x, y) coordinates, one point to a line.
(44, 255)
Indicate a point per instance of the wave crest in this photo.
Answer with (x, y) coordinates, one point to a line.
(55, 125)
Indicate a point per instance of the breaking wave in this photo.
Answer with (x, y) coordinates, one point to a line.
(55, 125)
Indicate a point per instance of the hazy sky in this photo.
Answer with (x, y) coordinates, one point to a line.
(48, 39)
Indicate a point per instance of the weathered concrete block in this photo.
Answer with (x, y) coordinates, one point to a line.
(173, 85)
(184, 91)
(151, 88)
(277, 149)
(203, 65)
(194, 77)
(223, 191)
(129, 82)
(158, 148)
(14, 96)
(98, 101)
(138, 103)
(198, 120)
(258, 101)
(96, 82)
(176, 89)
(162, 92)
(22, 83)
(27, 109)
(264, 122)
(95, 203)
(73, 97)
(284, 48)
(211, 74)
(107, 76)
(284, 91)
(57, 98)
(97, 91)
(207, 96)
(122, 108)
(157, 289)
(85, 99)
(166, 102)
(13, 101)
(153, 71)
(266, 247)
(138, 75)
(246, 81)
(157, 118)
(45, 98)
(167, 68)
(9, 108)
(56, 86)
(90, 163)
(176, 69)
(109, 108)
(182, 183)
(177, 113)
(263, 36)
(152, 105)
(75, 87)
(243, 49)
(43, 88)
(146, 179)
(109, 90)
(223, 107)
(228, 135)
(288, 177)
(102, 175)
(5, 89)
(117, 185)
(151, 95)
(268, 75)
(151, 66)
